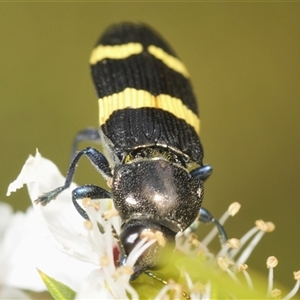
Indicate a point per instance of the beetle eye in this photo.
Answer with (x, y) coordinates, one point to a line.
(154, 257)
(130, 236)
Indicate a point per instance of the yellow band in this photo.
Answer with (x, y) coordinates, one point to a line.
(169, 60)
(115, 52)
(133, 98)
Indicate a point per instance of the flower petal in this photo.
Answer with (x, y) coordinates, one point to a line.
(95, 287)
(65, 225)
(25, 247)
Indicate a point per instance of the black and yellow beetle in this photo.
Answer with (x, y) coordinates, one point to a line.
(149, 128)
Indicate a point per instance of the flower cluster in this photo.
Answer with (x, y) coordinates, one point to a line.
(82, 254)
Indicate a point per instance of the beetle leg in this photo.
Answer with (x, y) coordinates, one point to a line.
(206, 217)
(97, 159)
(202, 172)
(88, 191)
(86, 134)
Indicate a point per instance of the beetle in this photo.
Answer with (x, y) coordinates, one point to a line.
(149, 128)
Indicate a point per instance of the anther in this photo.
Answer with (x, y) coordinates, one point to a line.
(276, 293)
(223, 262)
(242, 267)
(88, 225)
(272, 262)
(234, 208)
(104, 261)
(297, 275)
(233, 243)
(110, 214)
(87, 202)
(157, 235)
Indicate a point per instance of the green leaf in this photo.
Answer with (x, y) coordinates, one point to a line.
(58, 290)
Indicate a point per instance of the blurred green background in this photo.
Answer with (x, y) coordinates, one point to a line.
(244, 59)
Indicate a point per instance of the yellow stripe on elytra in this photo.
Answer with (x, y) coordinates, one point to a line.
(171, 61)
(132, 98)
(115, 52)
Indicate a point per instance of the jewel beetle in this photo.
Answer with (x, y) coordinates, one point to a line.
(149, 128)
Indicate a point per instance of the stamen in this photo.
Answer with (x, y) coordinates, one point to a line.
(198, 288)
(248, 250)
(272, 262)
(233, 243)
(265, 226)
(296, 287)
(177, 288)
(243, 240)
(193, 240)
(223, 263)
(87, 202)
(202, 255)
(162, 293)
(127, 270)
(230, 244)
(138, 250)
(243, 268)
(275, 294)
(297, 275)
(132, 292)
(104, 261)
(207, 294)
(110, 214)
(232, 210)
(157, 235)
(192, 228)
(188, 279)
(88, 225)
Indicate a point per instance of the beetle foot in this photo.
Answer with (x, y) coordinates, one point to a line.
(47, 197)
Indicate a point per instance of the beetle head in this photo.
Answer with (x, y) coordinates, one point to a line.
(154, 257)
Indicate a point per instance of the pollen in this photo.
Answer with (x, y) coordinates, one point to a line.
(88, 225)
(157, 235)
(104, 261)
(87, 202)
(270, 227)
(193, 240)
(223, 262)
(201, 255)
(175, 286)
(234, 208)
(242, 267)
(265, 226)
(276, 293)
(272, 262)
(233, 243)
(124, 270)
(297, 275)
(110, 214)
(198, 287)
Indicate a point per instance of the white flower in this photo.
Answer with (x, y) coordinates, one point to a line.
(84, 255)
(29, 239)
(86, 248)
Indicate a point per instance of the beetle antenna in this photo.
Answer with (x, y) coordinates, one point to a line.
(118, 240)
(183, 293)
